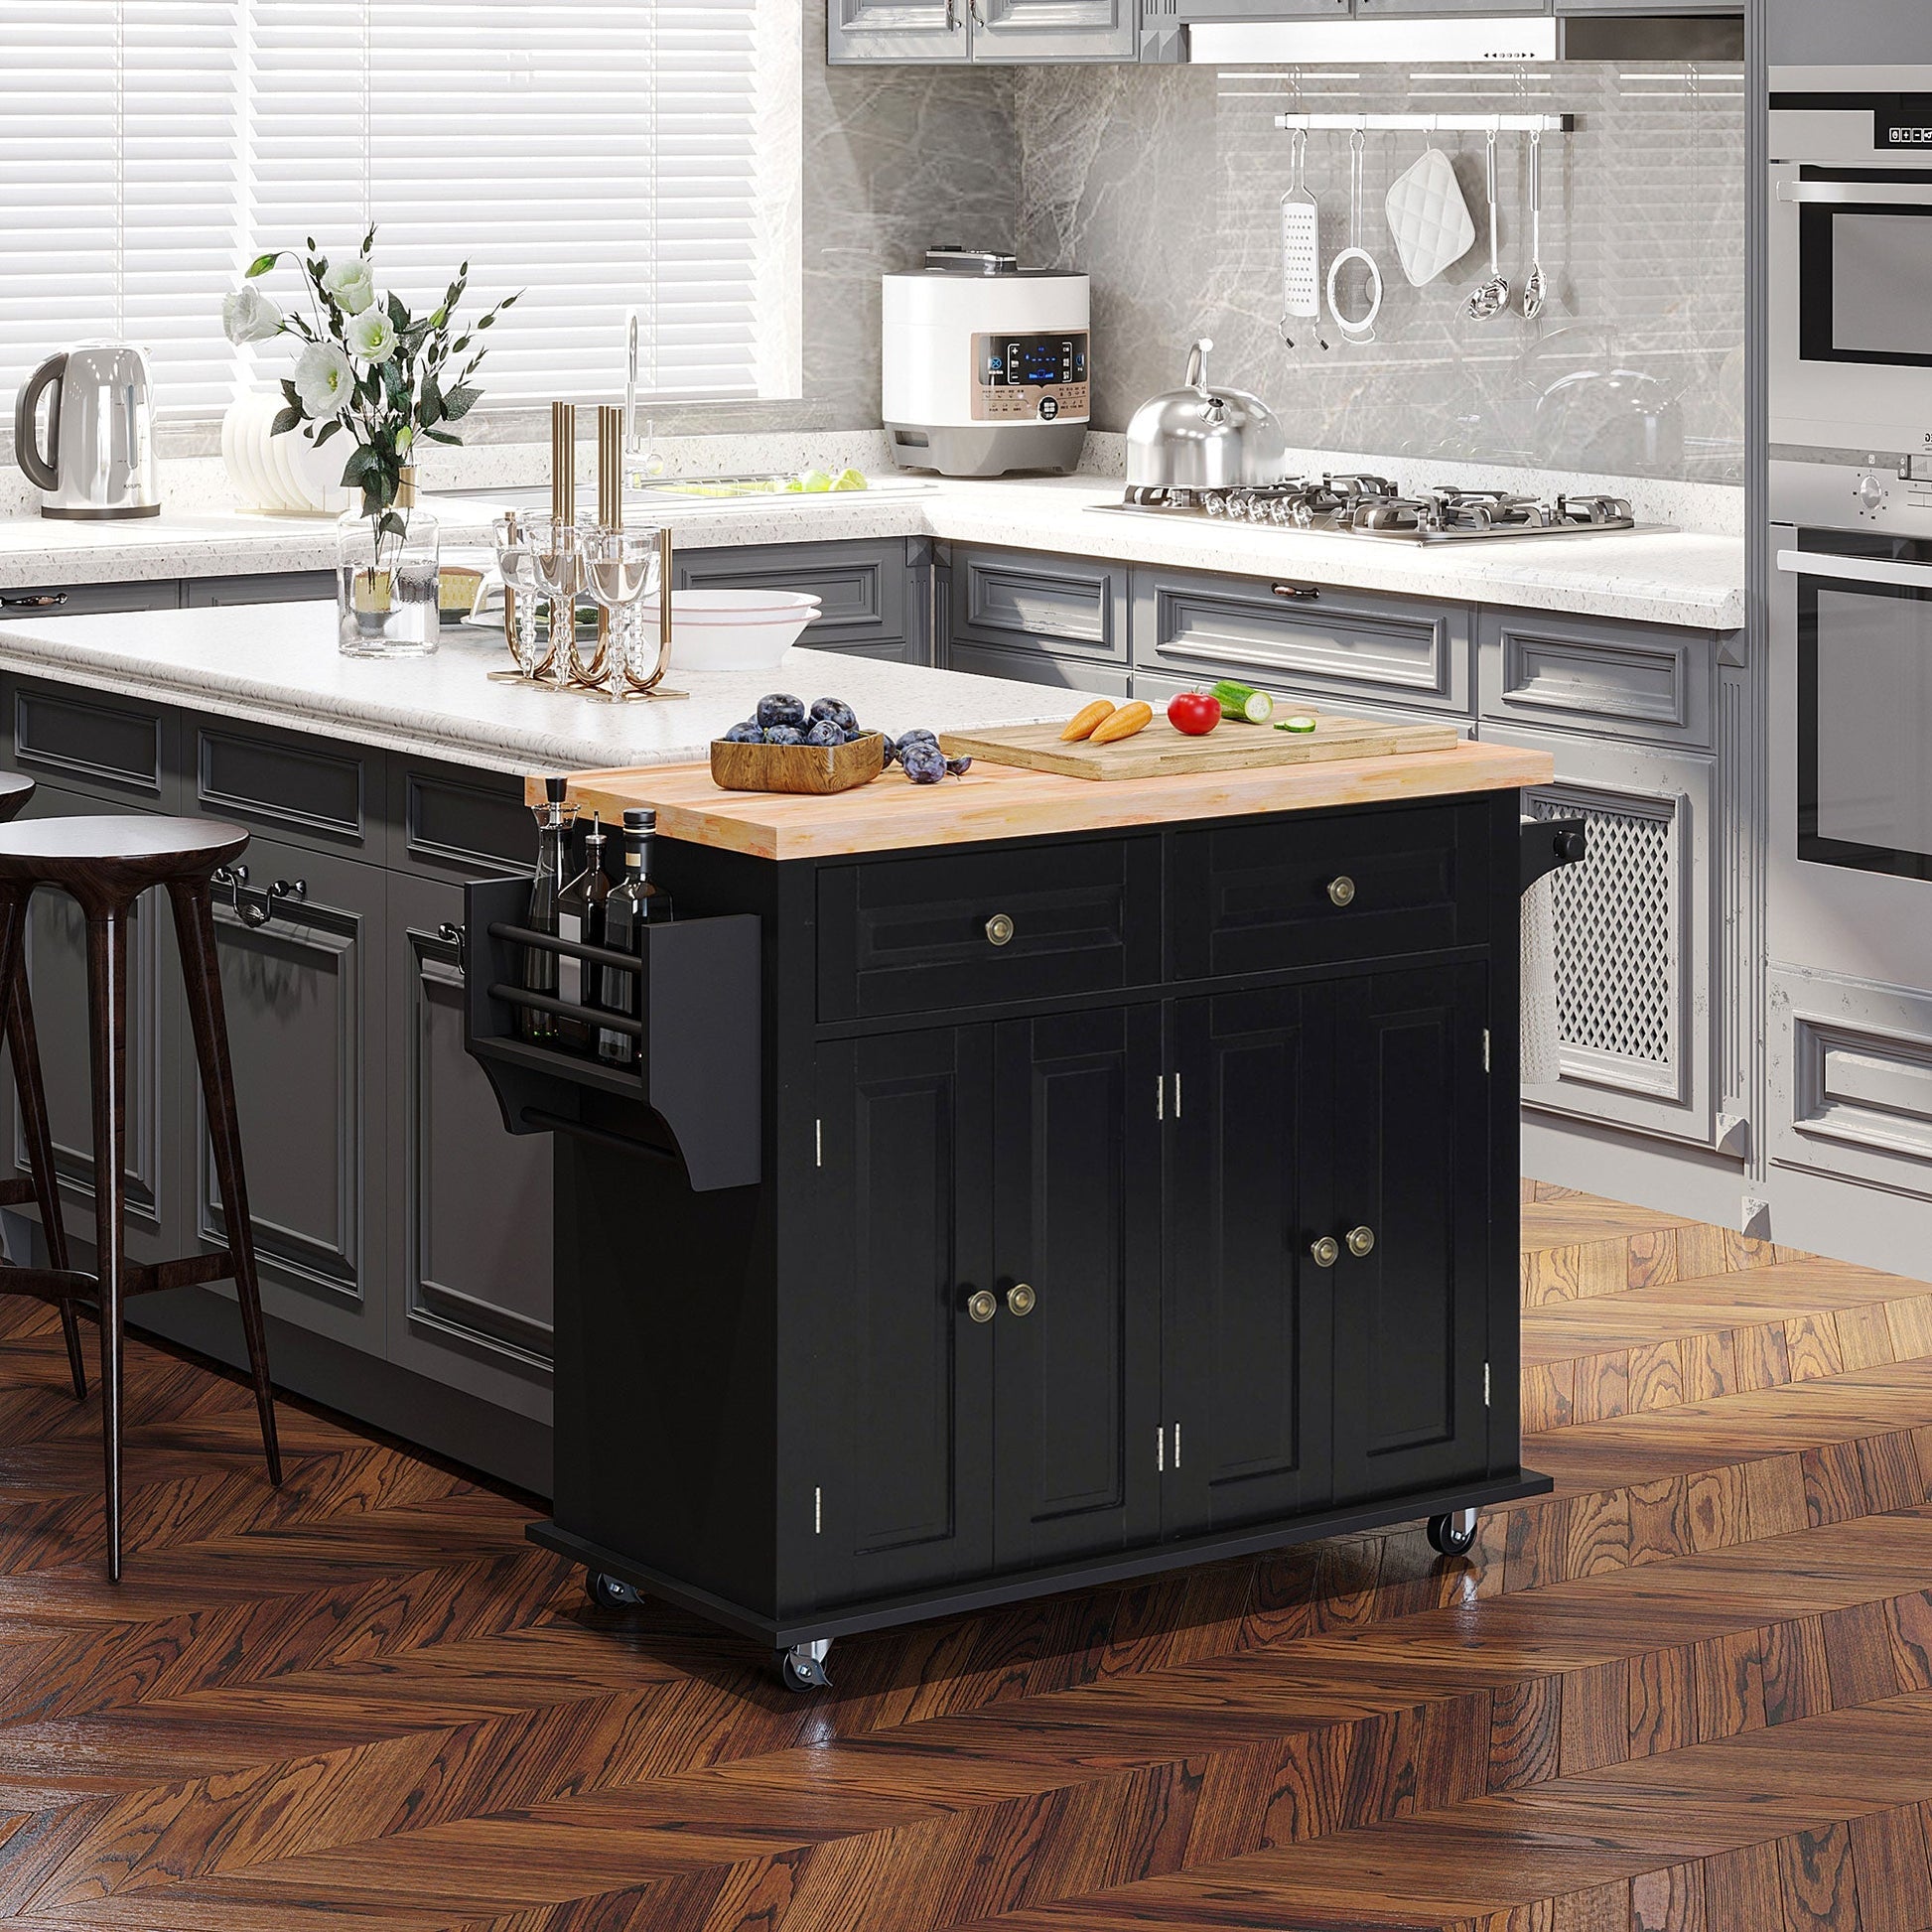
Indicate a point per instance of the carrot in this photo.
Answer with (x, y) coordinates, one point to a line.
(1088, 722)
(1125, 722)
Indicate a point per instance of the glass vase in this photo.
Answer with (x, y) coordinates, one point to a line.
(386, 579)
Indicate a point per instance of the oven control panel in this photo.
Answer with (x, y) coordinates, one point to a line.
(1884, 491)
(1037, 379)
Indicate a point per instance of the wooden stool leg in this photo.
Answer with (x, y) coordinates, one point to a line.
(24, 1049)
(201, 977)
(107, 1038)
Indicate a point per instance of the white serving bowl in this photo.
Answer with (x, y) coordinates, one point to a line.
(733, 630)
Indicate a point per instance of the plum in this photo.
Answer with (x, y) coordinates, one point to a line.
(781, 709)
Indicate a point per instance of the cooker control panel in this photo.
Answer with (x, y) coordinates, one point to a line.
(1031, 378)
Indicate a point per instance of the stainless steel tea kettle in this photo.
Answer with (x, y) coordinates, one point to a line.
(98, 460)
(1198, 437)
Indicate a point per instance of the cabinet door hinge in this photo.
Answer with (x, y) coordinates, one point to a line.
(1485, 1050)
(1485, 1385)
(818, 1512)
(818, 1142)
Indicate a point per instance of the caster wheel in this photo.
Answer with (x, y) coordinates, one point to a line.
(1453, 1536)
(802, 1667)
(607, 1594)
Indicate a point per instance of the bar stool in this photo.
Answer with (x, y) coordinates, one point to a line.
(105, 864)
(23, 1050)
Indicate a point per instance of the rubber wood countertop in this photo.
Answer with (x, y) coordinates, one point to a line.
(1003, 802)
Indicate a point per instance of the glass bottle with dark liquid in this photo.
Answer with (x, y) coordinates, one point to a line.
(555, 817)
(579, 920)
(639, 901)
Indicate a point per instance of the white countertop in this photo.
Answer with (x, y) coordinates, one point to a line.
(277, 664)
(1656, 577)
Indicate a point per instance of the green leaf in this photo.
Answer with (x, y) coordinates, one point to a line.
(460, 402)
(262, 264)
(397, 313)
(393, 525)
(441, 436)
(328, 429)
(368, 243)
(290, 394)
(286, 420)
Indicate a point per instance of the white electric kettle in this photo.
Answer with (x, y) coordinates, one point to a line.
(98, 457)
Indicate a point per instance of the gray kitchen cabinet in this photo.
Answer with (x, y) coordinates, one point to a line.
(299, 786)
(1875, 33)
(1037, 667)
(454, 824)
(870, 590)
(305, 999)
(897, 30)
(1635, 935)
(268, 586)
(1206, 11)
(122, 752)
(1551, 669)
(469, 1239)
(1440, 9)
(1022, 600)
(1156, 689)
(986, 32)
(1337, 645)
(57, 977)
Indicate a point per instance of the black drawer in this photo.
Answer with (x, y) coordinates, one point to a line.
(459, 825)
(88, 599)
(977, 928)
(305, 788)
(1272, 895)
(118, 748)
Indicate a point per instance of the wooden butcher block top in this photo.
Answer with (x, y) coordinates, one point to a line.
(1003, 802)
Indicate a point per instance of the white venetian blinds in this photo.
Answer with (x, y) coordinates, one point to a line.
(603, 155)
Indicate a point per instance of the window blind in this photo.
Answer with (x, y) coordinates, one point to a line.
(604, 156)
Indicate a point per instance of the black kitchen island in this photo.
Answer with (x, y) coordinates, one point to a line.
(1032, 1183)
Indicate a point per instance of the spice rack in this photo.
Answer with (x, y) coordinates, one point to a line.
(695, 1095)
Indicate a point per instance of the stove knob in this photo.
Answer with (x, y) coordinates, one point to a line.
(1871, 493)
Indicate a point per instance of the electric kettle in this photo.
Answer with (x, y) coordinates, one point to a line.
(98, 457)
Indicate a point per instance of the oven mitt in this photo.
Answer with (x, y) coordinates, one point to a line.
(1429, 218)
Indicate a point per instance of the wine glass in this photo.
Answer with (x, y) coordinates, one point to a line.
(620, 571)
(515, 564)
(556, 559)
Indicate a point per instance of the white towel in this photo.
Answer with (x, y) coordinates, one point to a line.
(1542, 1042)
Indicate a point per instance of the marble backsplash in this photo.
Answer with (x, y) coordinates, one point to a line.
(1165, 184)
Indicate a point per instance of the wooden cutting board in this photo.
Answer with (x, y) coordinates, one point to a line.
(1161, 752)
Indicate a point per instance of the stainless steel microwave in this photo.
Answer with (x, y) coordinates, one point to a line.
(1850, 260)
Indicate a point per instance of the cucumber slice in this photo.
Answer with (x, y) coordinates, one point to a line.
(1296, 724)
(1244, 702)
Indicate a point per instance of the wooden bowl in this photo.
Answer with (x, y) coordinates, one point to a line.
(814, 769)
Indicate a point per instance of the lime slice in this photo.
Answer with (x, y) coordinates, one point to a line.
(851, 479)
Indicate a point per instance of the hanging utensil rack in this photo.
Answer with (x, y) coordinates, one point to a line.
(1426, 123)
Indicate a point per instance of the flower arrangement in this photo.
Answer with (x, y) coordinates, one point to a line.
(368, 367)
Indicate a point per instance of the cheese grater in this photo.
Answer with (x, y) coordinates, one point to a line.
(1301, 249)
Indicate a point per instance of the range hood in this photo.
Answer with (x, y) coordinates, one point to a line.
(1362, 43)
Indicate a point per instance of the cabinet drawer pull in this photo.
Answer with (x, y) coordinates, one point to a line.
(982, 1306)
(256, 909)
(1342, 892)
(999, 929)
(1327, 1251)
(1299, 593)
(1021, 1300)
(1362, 1242)
(36, 600)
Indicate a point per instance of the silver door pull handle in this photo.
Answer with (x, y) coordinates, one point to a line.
(1000, 929)
(1299, 593)
(1342, 892)
(1362, 1242)
(1325, 1251)
(256, 909)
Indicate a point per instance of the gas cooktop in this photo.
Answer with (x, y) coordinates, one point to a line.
(1374, 506)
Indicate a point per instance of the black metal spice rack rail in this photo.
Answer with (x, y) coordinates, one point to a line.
(695, 1092)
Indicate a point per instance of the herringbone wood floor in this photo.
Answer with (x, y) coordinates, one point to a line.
(1691, 1691)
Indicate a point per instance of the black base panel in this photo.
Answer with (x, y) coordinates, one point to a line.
(993, 1591)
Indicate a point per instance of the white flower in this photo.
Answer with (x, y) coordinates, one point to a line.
(350, 286)
(324, 380)
(248, 316)
(372, 336)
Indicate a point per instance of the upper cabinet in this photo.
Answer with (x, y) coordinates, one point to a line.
(987, 32)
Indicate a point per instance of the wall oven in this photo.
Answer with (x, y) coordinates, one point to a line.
(1850, 259)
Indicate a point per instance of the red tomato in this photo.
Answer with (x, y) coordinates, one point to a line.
(1194, 712)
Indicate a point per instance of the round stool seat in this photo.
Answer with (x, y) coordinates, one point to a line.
(128, 853)
(14, 793)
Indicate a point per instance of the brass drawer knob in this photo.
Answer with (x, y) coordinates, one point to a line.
(1327, 1251)
(1361, 1241)
(1342, 890)
(983, 1307)
(999, 929)
(1021, 1300)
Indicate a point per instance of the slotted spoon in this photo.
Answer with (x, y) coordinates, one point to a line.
(1492, 296)
(1536, 293)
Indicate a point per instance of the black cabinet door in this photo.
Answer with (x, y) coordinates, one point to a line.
(1248, 1314)
(1077, 1223)
(1411, 1175)
(905, 1499)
